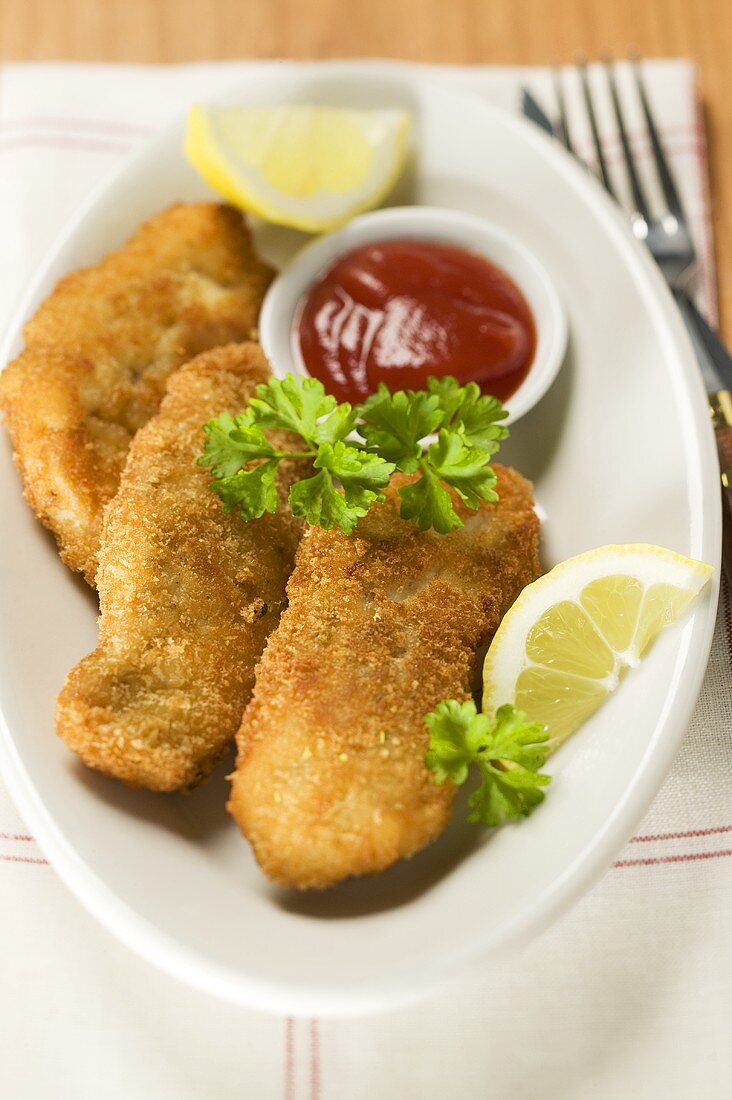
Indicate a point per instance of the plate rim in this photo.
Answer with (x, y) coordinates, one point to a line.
(278, 995)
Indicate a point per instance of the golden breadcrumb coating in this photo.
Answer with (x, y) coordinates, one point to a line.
(330, 779)
(99, 351)
(188, 595)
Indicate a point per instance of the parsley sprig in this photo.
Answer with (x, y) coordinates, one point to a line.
(352, 472)
(469, 433)
(244, 462)
(509, 751)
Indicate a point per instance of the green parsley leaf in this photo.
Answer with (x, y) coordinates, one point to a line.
(518, 741)
(428, 504)
(231, 442)
(361, 474)
(463, 467)
(252, 491)
(457, 734)
(317, 500)
(478, 418)
(337, 425)
(394, 423)
(474, 414)
(449, 393)
(362, 477)
(508, 752)
(504, 795)
(294, 403)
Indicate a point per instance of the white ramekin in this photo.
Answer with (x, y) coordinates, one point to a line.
(424, 223)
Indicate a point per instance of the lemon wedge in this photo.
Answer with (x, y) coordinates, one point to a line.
(308, 167)
(566, 642)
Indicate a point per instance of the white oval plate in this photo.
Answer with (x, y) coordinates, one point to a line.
(620, 450)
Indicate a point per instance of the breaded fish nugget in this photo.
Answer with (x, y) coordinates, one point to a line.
(99, 351)
(188, 595)
(330, 779)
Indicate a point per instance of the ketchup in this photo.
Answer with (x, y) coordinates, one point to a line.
(399, 311)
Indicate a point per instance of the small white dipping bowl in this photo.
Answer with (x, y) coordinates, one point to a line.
(428, 223)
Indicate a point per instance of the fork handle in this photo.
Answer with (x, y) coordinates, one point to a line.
(708, 344)
(715, 360)
(721, 408)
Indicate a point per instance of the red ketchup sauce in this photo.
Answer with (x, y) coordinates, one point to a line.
(399, 311)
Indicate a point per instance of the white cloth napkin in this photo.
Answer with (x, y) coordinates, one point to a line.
(629, 995)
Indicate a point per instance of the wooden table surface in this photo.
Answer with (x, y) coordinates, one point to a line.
(458, 31)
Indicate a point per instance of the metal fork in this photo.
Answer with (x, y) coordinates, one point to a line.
(669, 240)
(667, 236)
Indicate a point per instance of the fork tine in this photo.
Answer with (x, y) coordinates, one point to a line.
(668, 186)
(639, 198)
(563, 125)
(590, 107)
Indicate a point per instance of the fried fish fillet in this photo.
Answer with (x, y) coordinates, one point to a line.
(99, 351)
(330, 779)
(188, 595)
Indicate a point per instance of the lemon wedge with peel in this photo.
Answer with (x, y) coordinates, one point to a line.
(566, 642)
(308, 167)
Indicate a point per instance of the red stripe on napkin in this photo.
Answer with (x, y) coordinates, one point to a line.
(681, 836)
(22, 859)
(685, 857)
(314, 1061)
(289, 1059)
